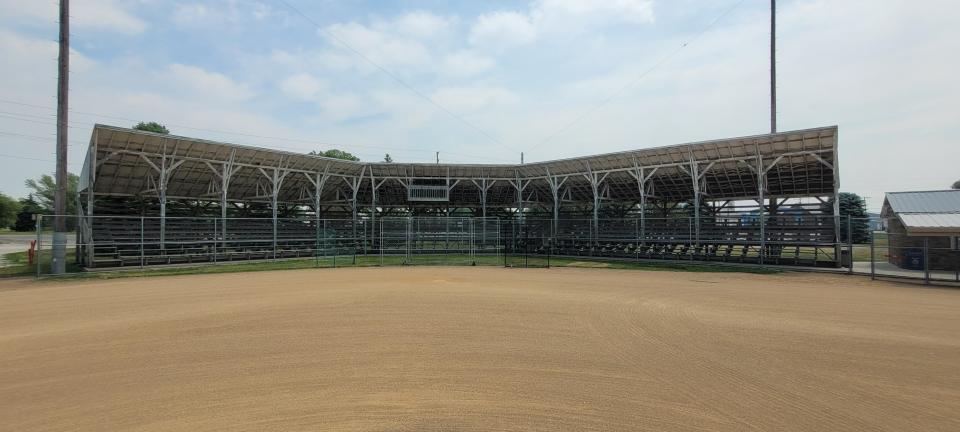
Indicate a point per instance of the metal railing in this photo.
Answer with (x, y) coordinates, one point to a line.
(801, 241)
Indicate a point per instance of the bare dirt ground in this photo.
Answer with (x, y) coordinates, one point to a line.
(452, 349)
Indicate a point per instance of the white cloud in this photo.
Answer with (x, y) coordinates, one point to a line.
(222, 14)
(464, 100)
(498, 30)
(421, 25)
(302, 86)
(879, 71)
(556, 18)
(213, 84)
(190, 13)
(633, 11)
(383, 48)
(99, 15)
(466, 63)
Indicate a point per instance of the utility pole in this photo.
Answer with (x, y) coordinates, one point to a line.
(438, 158)
(521, 158)
(773, 66)
(59, 261)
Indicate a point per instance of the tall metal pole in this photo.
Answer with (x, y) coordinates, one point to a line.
(773, 66)
(59, 261)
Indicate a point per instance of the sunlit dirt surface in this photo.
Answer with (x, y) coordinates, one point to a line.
(460, 348)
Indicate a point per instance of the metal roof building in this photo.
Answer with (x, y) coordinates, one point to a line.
(925, 212)
(140, 174)
(127, 163)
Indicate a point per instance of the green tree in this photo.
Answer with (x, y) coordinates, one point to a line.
(956, 185)
(28, 208)
(854, 207)
(45, 188)
(9, 208)
(152, 127)
(387, 158)
(336, 154)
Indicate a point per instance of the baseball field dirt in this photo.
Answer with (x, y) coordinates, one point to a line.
(470, 348)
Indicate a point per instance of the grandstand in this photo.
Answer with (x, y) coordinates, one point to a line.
(148, 198)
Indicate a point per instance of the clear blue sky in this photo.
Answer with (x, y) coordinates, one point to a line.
(552, 78)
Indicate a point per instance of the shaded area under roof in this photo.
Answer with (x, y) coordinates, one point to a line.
(124, 162)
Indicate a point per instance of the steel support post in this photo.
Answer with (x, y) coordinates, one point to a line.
(318, 181)
(873, 264)
(641, 184)
(373, 210)
(92, 172)
(836, 195)
(227, 173)
(640, 174)
(926, 260)
(555, 183)
(519, 187)
(354, 184)
(761, 200)
(595, 187)
(162, 195)
(695, 176)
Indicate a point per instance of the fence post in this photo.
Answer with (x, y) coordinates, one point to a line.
(39, 243)
(926, 260)
(142, 244)
(549, 250)
(850, 245)
(215, 240)
(873, 263)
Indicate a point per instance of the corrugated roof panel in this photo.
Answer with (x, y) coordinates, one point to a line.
(946, 223)
(943, 201)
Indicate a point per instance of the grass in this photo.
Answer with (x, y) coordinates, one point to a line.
(861, 252)
(20, 267)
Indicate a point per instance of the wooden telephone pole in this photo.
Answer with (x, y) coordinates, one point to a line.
(59, 261)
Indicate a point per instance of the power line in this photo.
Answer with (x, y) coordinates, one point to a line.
(636, 80)
(264, 137)
(393, 76)
(26, 158)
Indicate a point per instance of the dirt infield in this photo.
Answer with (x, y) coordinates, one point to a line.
(452, 349)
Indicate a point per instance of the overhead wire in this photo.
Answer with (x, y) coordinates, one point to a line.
(393, 76)
(394, 150)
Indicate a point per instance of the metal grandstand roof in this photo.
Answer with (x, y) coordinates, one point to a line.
(125, 162)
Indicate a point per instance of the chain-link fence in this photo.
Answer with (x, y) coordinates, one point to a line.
(438, 241)
(896, 254)
(108, 242)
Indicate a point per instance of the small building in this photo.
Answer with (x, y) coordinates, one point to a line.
(919, 220)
